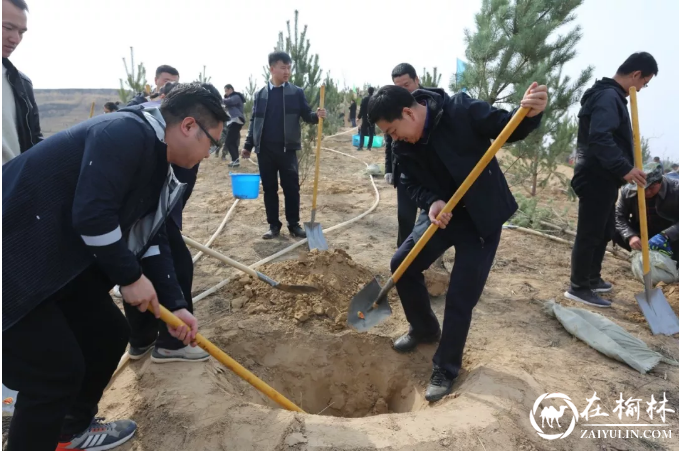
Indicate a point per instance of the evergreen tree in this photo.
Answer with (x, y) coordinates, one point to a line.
(134, 81)
(202, 77)
(249, 94)
(515, 43)
(430, 79)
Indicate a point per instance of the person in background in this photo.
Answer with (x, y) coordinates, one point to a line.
(658, 163)
(605, 161)
(234, 103)
(79, 212)
(276, 136)
(164, 74)
(403, 75)
(111, 107)
(674, 173)
(662, 212)
(20, 118)
(352, 112)
(162, 93)
(438, 140)
(366, 127)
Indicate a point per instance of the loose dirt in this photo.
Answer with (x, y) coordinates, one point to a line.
(358, 393)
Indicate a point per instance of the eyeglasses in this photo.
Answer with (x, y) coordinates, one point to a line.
(214, 142)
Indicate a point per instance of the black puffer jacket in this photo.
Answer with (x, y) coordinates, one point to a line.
(666, 204)
(605, 146)
(28, 119)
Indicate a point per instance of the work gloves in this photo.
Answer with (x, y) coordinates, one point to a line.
(660, 243)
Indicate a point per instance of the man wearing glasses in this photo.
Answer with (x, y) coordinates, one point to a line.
(605, 162)
(83, 210)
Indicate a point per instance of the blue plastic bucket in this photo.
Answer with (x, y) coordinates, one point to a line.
(378, 141)
(245, 186)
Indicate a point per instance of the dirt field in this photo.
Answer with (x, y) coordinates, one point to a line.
(359, 393)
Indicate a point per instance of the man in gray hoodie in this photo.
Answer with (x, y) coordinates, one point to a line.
(233, 102)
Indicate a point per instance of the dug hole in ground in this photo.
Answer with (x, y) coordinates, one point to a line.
(358, 393)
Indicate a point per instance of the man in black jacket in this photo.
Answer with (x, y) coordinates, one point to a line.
(81, 212)
(276, 136)
(605, 161)
(366, 127)
(403, 75)
(662, 213)
(438, 140)
(20, 119)
(234, 102)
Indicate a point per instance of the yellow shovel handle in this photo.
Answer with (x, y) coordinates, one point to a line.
(641, 190)
(231, 364)
(91, 110)
(318, 150)
(462, 190)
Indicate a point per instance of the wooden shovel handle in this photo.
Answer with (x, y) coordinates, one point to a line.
(641, 190)
(462, 190)
(170, 319)
(220, 257)
(318, 150)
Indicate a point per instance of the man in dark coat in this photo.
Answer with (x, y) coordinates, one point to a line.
(276, 136)
(80, 211)
(234, 102)
(662, 214)
(20, 119)
(438, 140)
(366, 127)
(605, 162)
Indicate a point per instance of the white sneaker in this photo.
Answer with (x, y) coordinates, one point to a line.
(185, 354)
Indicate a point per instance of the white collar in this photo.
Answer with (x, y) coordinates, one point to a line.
(157, 122)
(271, 85)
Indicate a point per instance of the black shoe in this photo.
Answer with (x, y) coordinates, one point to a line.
(234, 164)
(407, 343)
(297, 231)
(600, 286)
(440, 385)
(137, 353)
(586, 296)
(359, 149)
(272, 233)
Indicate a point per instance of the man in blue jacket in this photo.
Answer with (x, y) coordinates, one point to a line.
(437, 142)
(81, 212)
(605, 161)
(276, 136)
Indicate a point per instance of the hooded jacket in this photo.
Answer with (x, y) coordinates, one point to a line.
(295, 106)
(666, 206)
(460, 131)
(234, 107)
(605, 147)
(28, 119)
(96, 193)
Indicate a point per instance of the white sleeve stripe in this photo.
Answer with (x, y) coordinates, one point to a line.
(105, 239)
(153, 250)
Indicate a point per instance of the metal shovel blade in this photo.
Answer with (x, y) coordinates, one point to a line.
(359, 316)
(296, 289)
(314, 236)
(658, 312)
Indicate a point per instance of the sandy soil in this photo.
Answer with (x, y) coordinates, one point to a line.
(360, 394)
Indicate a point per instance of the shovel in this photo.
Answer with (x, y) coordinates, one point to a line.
(296, 289)
(314, 232)
(231, 364)
(652, 302)
(368, 308)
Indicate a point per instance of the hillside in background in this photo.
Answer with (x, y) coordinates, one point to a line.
(63, 108)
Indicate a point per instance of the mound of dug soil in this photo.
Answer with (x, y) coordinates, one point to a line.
(336, 275)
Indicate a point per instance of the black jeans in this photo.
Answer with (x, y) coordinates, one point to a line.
(366, 129)
(273, 161)
(596, 227)
(60, 357)
(406, 210)
(473, 260)
(233, 140)
(144, 327)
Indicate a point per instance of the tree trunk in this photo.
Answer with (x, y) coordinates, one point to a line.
(534, 181)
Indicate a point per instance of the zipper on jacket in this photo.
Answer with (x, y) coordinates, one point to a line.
(284, 140)
(28, 124)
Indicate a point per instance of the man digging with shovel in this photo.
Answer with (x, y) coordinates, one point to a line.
(437, 141)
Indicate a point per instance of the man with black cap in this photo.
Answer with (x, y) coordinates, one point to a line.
(662, 213)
